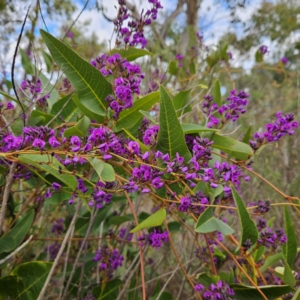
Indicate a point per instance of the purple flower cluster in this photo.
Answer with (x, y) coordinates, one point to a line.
(109, 260)
(230, 111)
(268, 237)
(58, 227)
(284, 125)
(262, 206)
(179, 57)
(155, 239)
(150, 135)
(35, 88)
(127, 80)
(219, 291)
(133, 34)
(194, 203)
(124, 234)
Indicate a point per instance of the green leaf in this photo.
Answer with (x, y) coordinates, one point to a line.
(257, 255)
(8, 96)
(163, 296)
(297, 295)
(172, 67)
(270, 260)
(16, 235)
(86, 111)
(286, 274)
(248, 227)
(130, 117)
(216, 93)
(243, 292)
(171, 137)
(259, 56)
(208, 223)
(65, 113)
(80, 128)
(26, 63)
(289, 249)
(105, 171)
(181, 101)
(131, 53)
(148, 116)
(91, 86)
(247, 135)
(154, 220)
(41, 162)
(48, 60)
(231, 146)
(195, 128)
(118, 220)
(25, 282)
(108, 173)
(110, 290)
(46, 117)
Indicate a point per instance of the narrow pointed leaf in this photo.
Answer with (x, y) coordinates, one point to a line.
(195, 128)
(154, 220)
(147, 115)
(180, 102)
(286, 274)
(171, 137)
(131, 53)
(231, 146)
(64, 110)
(271, 260)
(91, 86)
(289, 249)
(247, 135)
(248, 227)
(208, 223)
(297, 295)
(130, 117)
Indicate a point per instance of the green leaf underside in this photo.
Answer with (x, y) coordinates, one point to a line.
(80, 128)
(229, 145)
(105, 171)
(154, 220)
(248, 228)
(194, 128)
(289, 249)
(16, 235)
(247, 135)
(131, 53)
(91, 86)
(171, 137)
(271, 260)
(35, 160)
(272, 292)
(25, 282)
(180, 102)
(297, 295)
(130, 117)
(208, 223)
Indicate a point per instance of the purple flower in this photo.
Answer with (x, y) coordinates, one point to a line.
(263, 49)
(56, 186)
(38, 143)
(284, 60)
(53, 142)
(154, 239)
(9, 105)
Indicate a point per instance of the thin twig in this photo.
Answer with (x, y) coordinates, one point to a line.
(8, 184)
(14, 62)
(66, 264)
(80, 251)
(60, 252)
